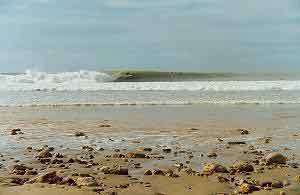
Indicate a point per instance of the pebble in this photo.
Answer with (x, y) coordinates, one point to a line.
(49, 177)
(242, 166)
(167, 150)
(44, 154)
(79, 134)
(86, 181)
(275, 158)
(212, 155)
(243, 131)
(135, 155)
(212, 168)
(148, 172)
(236, 143)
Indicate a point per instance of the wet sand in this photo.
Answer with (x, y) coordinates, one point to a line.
(118, 144)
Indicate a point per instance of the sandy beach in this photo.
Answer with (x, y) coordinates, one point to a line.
(160, 97)
(135, 150)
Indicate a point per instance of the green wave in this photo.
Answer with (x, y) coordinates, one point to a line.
(158, 76)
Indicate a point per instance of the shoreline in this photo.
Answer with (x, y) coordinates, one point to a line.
(173, 142)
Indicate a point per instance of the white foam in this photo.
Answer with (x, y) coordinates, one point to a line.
(96, 81)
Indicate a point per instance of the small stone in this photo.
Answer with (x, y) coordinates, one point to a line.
(122, 171)
(212, 168)
(167, 150)
(275, 158)
(243, 131)
(246, 188)
(86, 181)
(21, 167)
(18, 181)
(31, 172)
(222, 179)
(277, 184)
(49, 177)
(135, 155)
(79, 134)
(286, 183)
(88, 148)
(148, 172)
(212, 155)
(58, 155)
(45, 160)
(236, 143)
(158, 172)
(189, 171)
(145, 149)
(265, 183)
(104, 125)
(242, 166)
(68, 181)
(282, 193)
(44, 154)
(264, 140)
(114, 170)
(70, 160)
(15, 131)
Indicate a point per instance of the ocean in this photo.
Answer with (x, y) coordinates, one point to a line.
(92, 88)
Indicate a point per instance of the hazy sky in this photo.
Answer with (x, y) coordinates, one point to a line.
(200, 35)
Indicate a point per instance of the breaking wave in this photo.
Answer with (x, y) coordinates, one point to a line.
(99, 81)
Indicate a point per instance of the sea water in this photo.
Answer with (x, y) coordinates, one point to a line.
(91, 88)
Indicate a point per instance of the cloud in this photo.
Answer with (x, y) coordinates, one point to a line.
(144, 4)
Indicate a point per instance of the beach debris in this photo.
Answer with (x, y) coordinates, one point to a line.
(275, 158)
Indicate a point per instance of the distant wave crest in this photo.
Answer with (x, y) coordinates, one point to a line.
(97, 81)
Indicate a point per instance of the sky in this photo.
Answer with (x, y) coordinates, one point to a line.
(183, 35)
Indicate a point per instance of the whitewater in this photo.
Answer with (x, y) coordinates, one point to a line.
(92, 88)
(97, 81)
